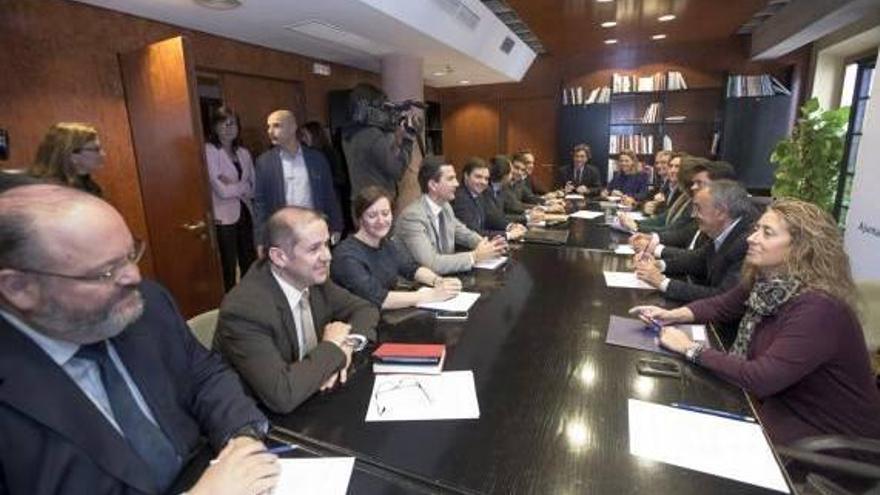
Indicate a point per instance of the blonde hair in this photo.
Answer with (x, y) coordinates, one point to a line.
(53, 155)
(816, 256)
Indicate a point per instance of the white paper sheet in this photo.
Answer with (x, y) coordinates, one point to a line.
(626, 280)
(449, 395)
(698, 332)
(314, 476)
(574, 196)
(625, 249)
(462, 302)
(491, 264)
(635, 215)
(589, 215)
(703, 442)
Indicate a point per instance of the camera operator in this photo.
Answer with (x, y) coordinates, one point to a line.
(378, 141)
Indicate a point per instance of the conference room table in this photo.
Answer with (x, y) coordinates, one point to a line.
(552, 394)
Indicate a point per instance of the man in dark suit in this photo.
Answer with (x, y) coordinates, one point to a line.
(103, 389)
(725, 214)
(285, 328)
(292, 175)
(476, 210)
(580, 177)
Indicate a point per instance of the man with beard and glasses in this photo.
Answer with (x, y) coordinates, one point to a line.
(103, 389)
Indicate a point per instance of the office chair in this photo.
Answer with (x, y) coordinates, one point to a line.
(826, 471)
(203, 326)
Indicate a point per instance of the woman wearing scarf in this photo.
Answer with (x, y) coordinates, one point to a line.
(799, 349)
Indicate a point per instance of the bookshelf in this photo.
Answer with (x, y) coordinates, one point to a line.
(433, 128)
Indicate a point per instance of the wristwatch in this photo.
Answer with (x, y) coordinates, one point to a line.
(692, 353)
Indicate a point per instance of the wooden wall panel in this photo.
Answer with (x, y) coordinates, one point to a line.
(254, 98)
(470, 129)
(59, 63)
(523, 130)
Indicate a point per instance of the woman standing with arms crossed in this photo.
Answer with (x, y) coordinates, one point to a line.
(231, 175)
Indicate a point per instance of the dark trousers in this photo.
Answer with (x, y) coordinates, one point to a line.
(236, 242)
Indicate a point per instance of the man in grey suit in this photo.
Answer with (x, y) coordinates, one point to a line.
(429, 231)
(286, 327)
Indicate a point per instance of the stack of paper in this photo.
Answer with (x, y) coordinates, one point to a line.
(462, 302)
(625, 280)
(728, 448)
(314, 476)
(586, 214)
(449, 395)
(491, 264)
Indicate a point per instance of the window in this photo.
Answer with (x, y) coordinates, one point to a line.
(857, 83)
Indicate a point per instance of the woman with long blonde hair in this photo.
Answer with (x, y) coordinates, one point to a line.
(68, 154)
(799, 348)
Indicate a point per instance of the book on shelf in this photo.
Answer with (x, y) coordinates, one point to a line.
(659, 81)
(716, 137)
(676, 118)
(409, 358)
(739, 86)
(642, 144)
(577, 96)
(667, 142)
(652, 113)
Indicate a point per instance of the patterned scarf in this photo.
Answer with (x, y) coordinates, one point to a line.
(766, 297)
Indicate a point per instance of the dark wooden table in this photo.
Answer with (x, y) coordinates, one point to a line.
(552, 395)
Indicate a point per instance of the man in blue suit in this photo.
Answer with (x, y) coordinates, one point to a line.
(103, 389)
(292, 175)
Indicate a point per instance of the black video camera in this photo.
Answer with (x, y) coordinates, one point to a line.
(386, 115)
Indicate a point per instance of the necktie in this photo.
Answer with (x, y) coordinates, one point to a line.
(441, 234)
(577, 174)
(307, 325)
(147, 439)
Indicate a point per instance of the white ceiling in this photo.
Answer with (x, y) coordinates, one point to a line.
(358, 32)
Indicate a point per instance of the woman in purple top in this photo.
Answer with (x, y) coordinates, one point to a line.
(629, 181)
(799, 349)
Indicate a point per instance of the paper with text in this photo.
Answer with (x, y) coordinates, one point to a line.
(461, 302)
(491, 264)
(586, 214)
(625, 249)
(449, 395)
(625, 280)
(314, 476)
(702, 442)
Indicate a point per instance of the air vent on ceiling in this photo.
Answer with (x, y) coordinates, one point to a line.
(457, 9)
(337, 36)
(511, 19)
(507, 44)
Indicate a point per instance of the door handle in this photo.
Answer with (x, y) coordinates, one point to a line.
(194, 227)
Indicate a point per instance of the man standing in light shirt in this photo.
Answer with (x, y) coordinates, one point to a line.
(292, 175)
(429, 230)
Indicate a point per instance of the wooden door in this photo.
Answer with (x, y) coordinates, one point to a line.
(254, 98)
(160, 94)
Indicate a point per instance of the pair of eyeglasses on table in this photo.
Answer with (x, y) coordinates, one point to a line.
(412, 387)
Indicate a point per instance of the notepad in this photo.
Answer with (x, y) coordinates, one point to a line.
(314, 476)
(574, 196)
(449, 395)
(724, 447)
(461, 302)
(625, 249)
(633, 333)
(586, 214)
(491, 264)
(625, 280)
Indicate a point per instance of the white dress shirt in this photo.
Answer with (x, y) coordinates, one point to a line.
(297, 189)
(293, 296)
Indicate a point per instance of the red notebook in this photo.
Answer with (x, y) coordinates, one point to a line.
(409, 358)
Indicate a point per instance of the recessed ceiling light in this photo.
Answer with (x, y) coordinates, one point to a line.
(608, 24)
(464, 81)
(610, 41)
(219, 4)
(604, 1)
(666, 18)
(438, 74)
(658, 37)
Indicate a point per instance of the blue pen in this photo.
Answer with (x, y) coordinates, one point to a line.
(283, 449)
(714, 412)
(653, 325)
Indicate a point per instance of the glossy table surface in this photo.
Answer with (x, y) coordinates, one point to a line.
(552, 395)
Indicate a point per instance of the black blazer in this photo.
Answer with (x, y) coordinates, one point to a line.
(589, 177)
(269, 194)
(720, 270)
(479, 214)
(256, 333)
(54, 440)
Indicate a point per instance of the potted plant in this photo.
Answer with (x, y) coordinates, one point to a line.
(808, 163)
